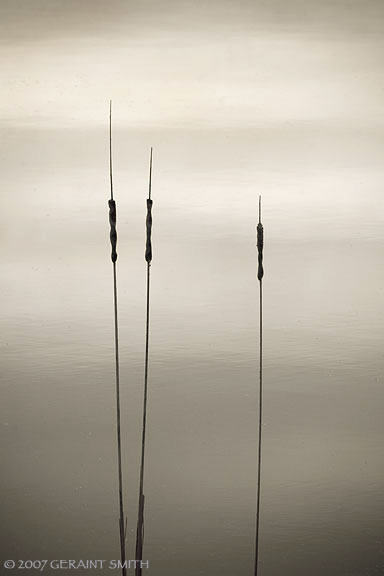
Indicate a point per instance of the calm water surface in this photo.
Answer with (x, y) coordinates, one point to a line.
(323, 472)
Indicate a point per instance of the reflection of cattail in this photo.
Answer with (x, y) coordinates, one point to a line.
(260, 274)
(113, 237)
(140, 515)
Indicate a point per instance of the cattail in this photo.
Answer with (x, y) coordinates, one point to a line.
(260, 274)
(140, 515)
(113, 238)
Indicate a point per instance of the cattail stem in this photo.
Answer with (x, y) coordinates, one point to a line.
(113, 237)
(260, 274)
(148, 258)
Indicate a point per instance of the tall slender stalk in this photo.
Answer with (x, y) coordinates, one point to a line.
(140, 515)
(260, 274)
(113, 237)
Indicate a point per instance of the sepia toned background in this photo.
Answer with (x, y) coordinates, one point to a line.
(238, 98)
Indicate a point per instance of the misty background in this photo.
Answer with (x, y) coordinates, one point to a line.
(282, 99)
